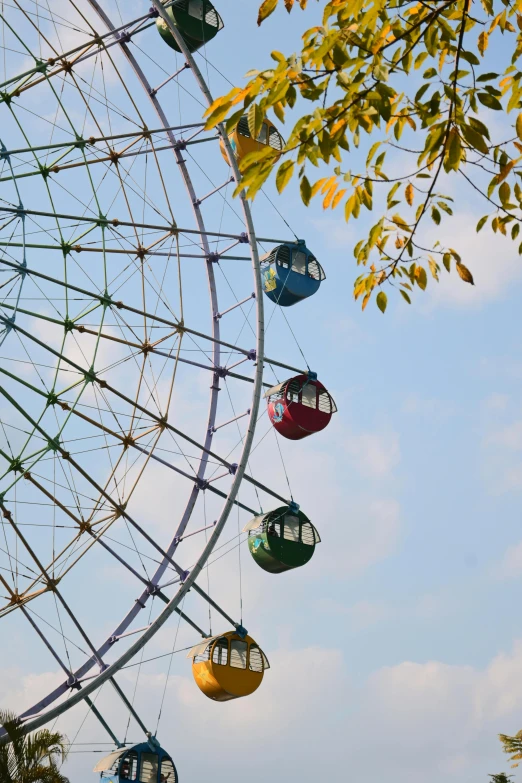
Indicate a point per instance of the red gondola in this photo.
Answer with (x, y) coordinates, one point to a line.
(300, 406)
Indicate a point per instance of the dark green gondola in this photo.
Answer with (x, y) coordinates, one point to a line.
(282, 539)
(197, 20)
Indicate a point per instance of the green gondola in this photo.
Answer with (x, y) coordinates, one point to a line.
(282, 539)
(197, 20)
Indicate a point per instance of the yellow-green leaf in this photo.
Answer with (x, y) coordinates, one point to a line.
(382, 301)
(337, 198)
(373, 150)
(455, 255)
(284, 174)
(421, 277)
(348, 207)
(218, 115)
(454, 150)
(327, 202)
(504, 192)
(267, 8)
(505, 171)
(518, 126)
(400, 222)
(474, 139)
(490, 101)
(465, 274)
(233, 121)
(279, 111)
(255, 120)
(434, 269)
(306, 190)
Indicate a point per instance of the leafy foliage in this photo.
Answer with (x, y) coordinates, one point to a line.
(414, 81)
(501, 778)
(512, 746)
(32, 758)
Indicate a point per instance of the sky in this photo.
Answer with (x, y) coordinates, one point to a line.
(397, 652)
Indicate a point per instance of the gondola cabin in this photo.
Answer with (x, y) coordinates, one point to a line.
(146, 763)
(300, 407)
(290, 273)
(281, 540)
(242, 142)
(197, 20)
(228, 667)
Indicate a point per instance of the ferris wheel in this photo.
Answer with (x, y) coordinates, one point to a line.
(129, 283)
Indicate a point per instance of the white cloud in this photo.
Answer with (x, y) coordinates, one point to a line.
(336, 233)
(374, 454)
(408, 722)
(492, 259)
(509, 437)
(510, 566)
(502, 463)
(496, 402)
(18, 691)
(448, 714)
(365, 614)
(435, 692)
(429, 407)
(373, 530)
(370, 613)
(513, 478)
(348, 330)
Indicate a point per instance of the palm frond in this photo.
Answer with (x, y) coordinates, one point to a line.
(32, 758)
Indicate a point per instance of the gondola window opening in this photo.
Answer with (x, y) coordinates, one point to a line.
(291, 528)
(309, 396)
(238, 654)
(220, 654)
(149, 768)
(255, 663)
(167, 772)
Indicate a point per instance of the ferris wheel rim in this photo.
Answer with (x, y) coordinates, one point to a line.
(41, 719)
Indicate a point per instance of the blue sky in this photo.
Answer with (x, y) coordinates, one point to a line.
(397, 652)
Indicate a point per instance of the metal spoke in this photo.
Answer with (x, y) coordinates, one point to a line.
(113, 158)
(182, 328)
(157, 227)
(91, 141)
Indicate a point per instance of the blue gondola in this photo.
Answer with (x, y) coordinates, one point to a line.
(291, 273)
(147, 762)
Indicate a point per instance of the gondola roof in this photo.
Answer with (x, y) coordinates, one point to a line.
(107, 762)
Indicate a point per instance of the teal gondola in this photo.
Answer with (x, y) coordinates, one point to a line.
(146, 762)
(291, 273)
(197, 20)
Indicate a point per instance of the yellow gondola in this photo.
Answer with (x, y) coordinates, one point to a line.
(243, 143)
(228, 666)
